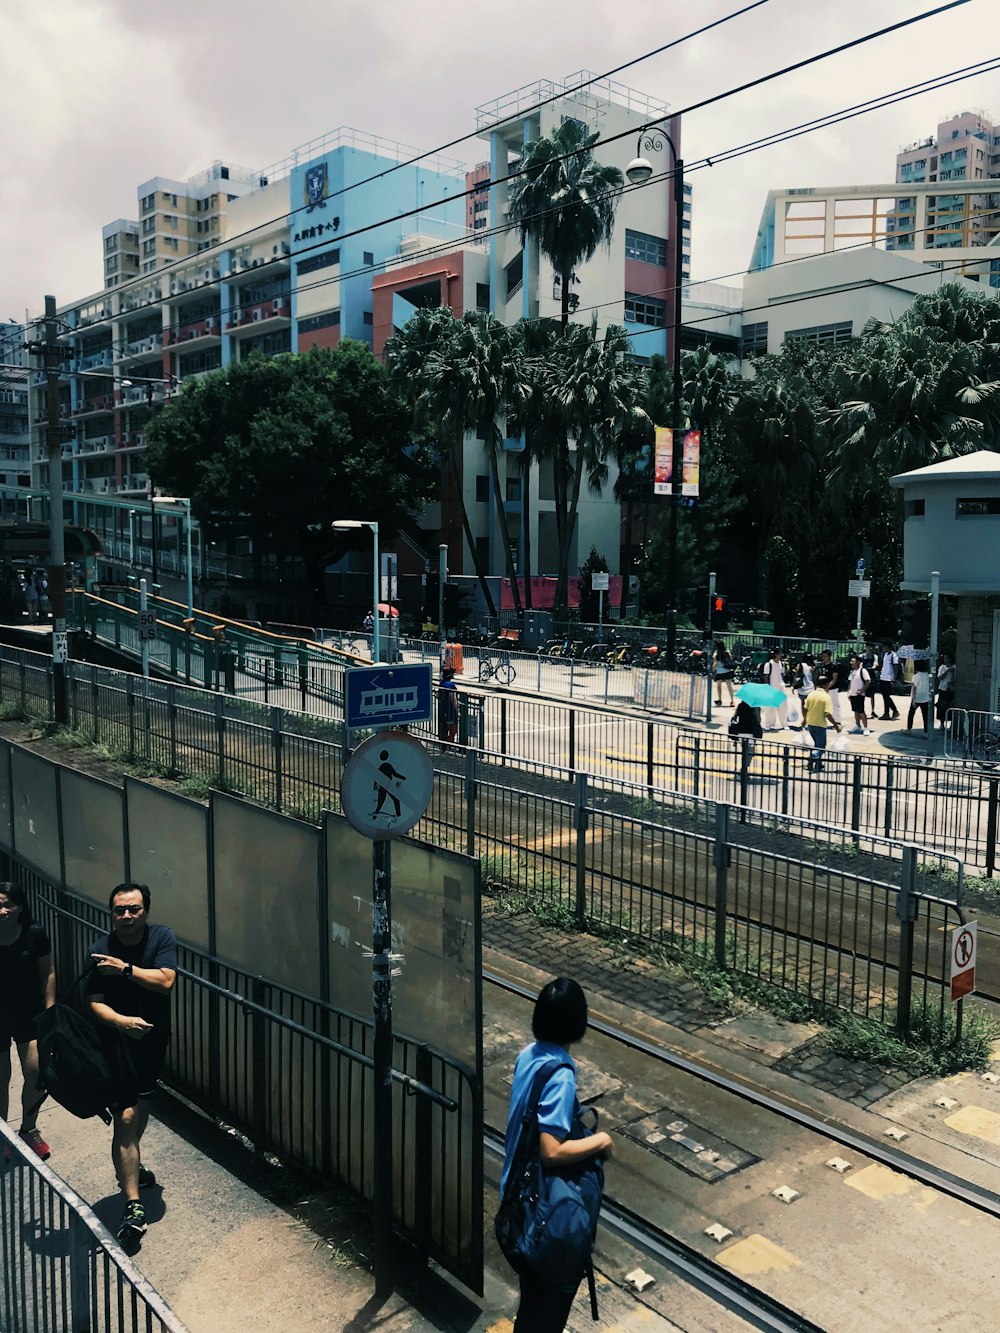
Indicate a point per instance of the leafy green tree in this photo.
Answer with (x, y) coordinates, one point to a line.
(590, 600)
(782, 594)
(274, 447)
(566, 199)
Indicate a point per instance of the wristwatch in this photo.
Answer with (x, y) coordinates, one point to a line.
(128, 971)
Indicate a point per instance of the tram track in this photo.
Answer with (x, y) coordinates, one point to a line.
(635, 1224)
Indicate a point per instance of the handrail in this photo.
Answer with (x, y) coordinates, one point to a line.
(128, 610)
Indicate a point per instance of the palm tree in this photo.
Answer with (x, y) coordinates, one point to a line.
(565, 199)
(474, 376)
(598, 396)
(410, 355)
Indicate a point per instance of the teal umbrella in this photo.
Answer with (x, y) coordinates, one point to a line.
(758, 695)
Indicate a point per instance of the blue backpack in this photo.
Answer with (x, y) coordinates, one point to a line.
(547, 1221)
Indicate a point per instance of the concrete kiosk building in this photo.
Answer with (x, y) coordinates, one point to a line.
(952, 525)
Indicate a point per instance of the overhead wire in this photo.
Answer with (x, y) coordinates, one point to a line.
(519, 171)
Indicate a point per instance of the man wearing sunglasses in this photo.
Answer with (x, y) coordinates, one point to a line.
(134, 970)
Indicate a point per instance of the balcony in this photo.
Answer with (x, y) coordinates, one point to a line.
(90, 407)
(274, 314)
(196, 331)
(151, 345)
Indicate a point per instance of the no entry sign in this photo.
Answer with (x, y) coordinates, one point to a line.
(963, 960)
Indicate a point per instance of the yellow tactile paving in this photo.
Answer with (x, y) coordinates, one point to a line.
(977, 1121)
(501, 1326)
(755, 1255)
(879, 1182)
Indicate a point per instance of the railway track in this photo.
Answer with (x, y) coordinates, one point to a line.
(644, 1200)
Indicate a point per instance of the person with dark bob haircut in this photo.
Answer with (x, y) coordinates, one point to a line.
(27, 985)
(558, 1022)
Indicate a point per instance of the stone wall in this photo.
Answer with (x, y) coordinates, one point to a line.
(974, 653)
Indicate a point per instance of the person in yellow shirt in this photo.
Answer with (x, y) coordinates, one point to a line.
(819, 716)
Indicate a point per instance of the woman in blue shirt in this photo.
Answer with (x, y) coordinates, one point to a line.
(559, 1021)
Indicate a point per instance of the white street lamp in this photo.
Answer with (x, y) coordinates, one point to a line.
(347, 523)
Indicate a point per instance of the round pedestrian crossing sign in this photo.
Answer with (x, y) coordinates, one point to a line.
(387, 785)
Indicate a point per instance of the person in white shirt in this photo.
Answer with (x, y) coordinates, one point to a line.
(945, 687)
(858, 680)
(886, 679)
(774, 675)
(920, 693)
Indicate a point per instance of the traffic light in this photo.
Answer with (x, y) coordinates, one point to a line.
(915, 622)
(720, 612)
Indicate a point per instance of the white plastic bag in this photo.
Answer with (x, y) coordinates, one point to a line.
(794, 718)
(804, 739)
(842, 745)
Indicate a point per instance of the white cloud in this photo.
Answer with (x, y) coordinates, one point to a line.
(103, 94)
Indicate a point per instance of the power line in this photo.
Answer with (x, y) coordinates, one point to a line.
(502, 180)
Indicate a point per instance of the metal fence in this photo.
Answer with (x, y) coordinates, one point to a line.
(63, 1271)
(809, 904)
(296, 1075)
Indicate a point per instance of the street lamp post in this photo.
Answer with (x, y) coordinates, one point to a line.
(652, 140)
(343, 524)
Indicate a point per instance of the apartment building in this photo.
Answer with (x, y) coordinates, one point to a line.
(14, 426)
(965, 148)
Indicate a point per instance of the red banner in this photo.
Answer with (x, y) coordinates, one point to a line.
(543, 592)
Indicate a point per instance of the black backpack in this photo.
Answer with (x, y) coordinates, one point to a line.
(73, 1064)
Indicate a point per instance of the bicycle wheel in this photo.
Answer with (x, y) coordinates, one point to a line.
(505, 673)
(485, 668)
(985, 750)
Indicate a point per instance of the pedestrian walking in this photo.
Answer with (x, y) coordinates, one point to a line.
(774, 674)
(128, 991)
(819, 716)
(858, 680)
(804, 679)
(745, 726)
(837, 674)
(447, 702)
(869, 659)
(27, 986)
(31, 597)
(722, 672)
(945, 688)
(559, 1021)
(888, 673)
(920, 693)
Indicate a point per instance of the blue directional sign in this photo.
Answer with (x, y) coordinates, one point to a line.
(388, 695)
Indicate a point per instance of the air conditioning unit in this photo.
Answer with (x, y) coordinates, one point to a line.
(255, 264)
(280, 305)
(211, 324)
(286, 249)
(236, 315)
(173, 290)
(258, 315)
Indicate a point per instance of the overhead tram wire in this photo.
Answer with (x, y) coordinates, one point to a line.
(514, 175)
(770, 141)
(934, 83)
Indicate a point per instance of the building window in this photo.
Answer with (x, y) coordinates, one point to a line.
(314, 262)
(754, 340)
(148, 203)
(329, 320)
(483, 551)
(988, 504)
(513, 490)
(110, 243)
(368, 317)
(148, 225)
(645, 310)
(482, 489)
(149, 247)
(824, 335)
(368, 257)
(514, 273)
(482, 296)
(648, 249)
(913, 509)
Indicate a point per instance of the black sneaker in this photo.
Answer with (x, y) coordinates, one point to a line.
(132, 1227)
(146, 1178)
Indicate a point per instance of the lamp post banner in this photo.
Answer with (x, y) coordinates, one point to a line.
(663, 461)
(692, 461)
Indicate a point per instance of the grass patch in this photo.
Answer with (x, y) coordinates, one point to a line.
(199, 787)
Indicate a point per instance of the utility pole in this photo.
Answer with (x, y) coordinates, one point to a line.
(57, 547)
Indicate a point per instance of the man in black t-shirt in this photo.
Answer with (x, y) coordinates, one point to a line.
(135, 968)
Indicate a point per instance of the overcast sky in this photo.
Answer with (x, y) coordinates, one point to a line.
(100, 95)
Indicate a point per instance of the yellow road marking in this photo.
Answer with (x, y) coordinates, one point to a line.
(501, 1326)
(977, 1121)
(756, 1254)
(879, 1182)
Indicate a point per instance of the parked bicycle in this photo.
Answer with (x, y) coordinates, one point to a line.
(496, 666)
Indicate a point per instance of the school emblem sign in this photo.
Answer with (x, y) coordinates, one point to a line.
(317, 187)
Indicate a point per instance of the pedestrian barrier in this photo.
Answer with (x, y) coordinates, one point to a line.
(805, 902)
(62, 1270)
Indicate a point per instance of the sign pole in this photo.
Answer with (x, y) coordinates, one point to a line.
(442, 580)
(932, 664)
(382, 1060)
(142, 622)
(710, 683)
(859, 573)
